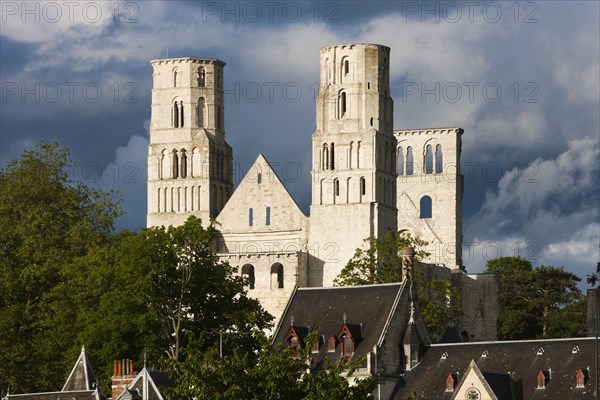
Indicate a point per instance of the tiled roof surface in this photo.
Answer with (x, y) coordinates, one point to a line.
(508, 363)
(365, 308)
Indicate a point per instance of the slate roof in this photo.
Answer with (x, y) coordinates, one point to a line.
(366, 309)
(80, 385)
(154, 380)
(509, 367)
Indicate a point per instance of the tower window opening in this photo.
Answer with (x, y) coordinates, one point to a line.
(248, 273)
(175, 164)
(268, 216)
(371, 121)
(200, 112)
(201, 77)
(428, 160)
(409, 161)
(342, 103)
(332, 158)
(250, 216)
(363, 186)
(439, 159)
(400, 161)
(425, 207)
(346, 67)
(183, 167)
(336, 187)
(277, 276)
(325, 160)
(259, 178)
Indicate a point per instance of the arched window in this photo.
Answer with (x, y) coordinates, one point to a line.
(439, 159)
(177, 115)
(174, 164)
(350, 155)
(277, 276)
(580, 379)
(248, 273)
(400, 161)
(332, 158)
(428, 159)
(325, 160)
(201, 77)
(326, 70)
(342, 104)
(259, 178)
(541, 380)
(268, 216)
(410, 163)
(363, 188)
(200, 110)
(183, 167)
(336, 187)
(176, 78)
(250, 216)
(358, 150)
(449, 383)
(348, 346)
(331, 344)
(346, 67)
(425, 207)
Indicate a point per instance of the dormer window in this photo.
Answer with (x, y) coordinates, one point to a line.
(581, 377)
(542, 378)
(348, 346)
(294, 342)
(315, 347)
(450, 382)
(331, 344)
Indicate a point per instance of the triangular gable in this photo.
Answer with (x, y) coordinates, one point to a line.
(474, 381)
(284, 213)
(145, 384)
(82, 375)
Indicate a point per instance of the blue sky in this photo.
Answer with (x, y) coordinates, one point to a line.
(521, 78)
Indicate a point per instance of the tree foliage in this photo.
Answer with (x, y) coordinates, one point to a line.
(542, 302)
(47, 222)
(594, 278)
(261, 372)
(381, 262)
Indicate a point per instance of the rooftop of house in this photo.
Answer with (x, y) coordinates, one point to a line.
(510, 368)
(363, 311)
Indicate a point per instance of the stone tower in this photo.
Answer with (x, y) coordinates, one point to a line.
(353, 150)
(430, 190)
(189, 161)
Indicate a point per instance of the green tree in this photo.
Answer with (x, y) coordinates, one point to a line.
(381, 262)
(534, 302)
(593, 278)
(161, 285)
(261, 372)
(47, 221)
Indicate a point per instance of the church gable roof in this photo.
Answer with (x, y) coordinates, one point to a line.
(361, 310)
(82, 375)
(261, 188)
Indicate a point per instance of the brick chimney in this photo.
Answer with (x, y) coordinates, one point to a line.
(123, 375)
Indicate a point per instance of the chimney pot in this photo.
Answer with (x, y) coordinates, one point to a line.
(115, 368)
(131, 367)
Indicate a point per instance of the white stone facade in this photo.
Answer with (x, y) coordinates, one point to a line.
(367, 178)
